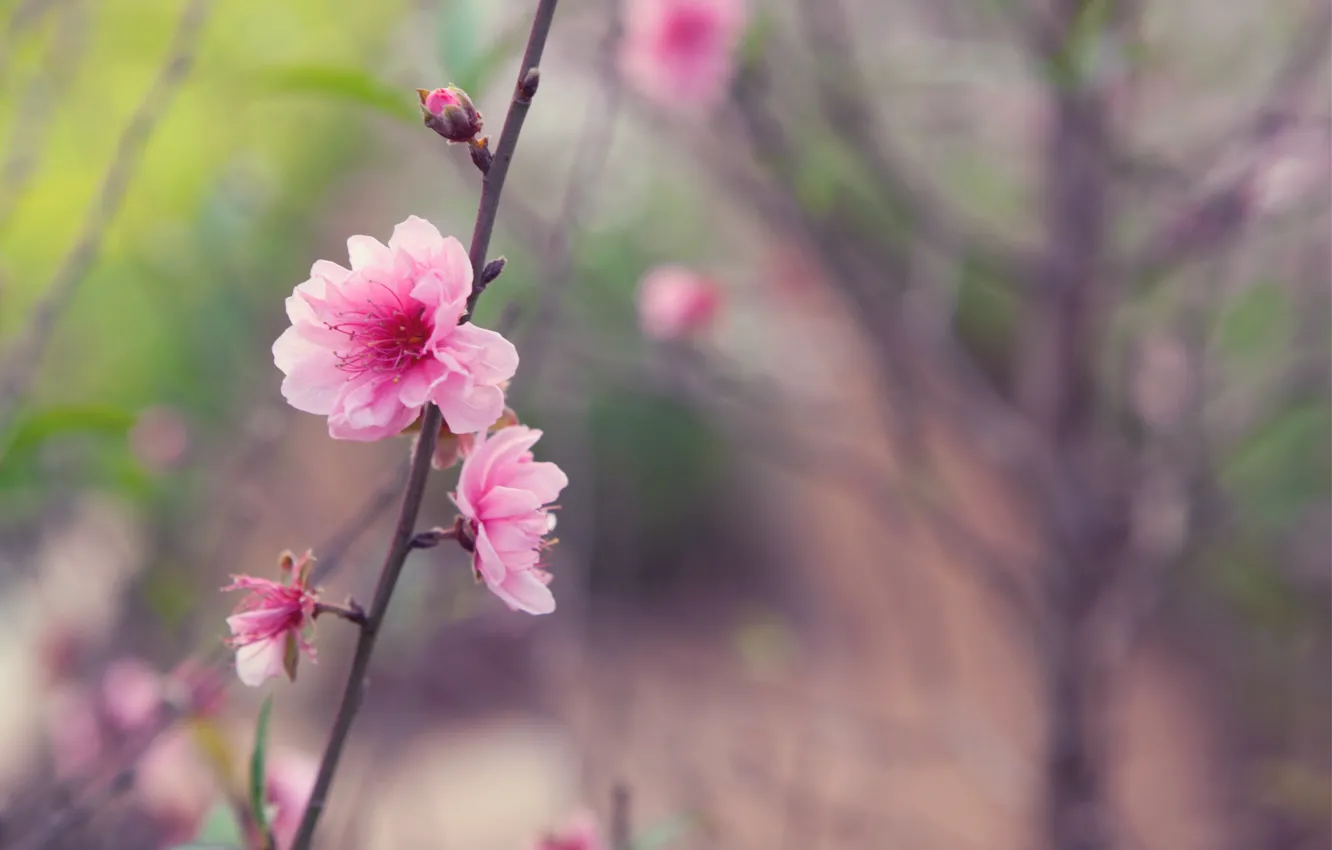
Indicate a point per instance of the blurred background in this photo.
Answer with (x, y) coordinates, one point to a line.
(982, 503)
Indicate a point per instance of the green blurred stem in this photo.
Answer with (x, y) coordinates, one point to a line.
(404, 532)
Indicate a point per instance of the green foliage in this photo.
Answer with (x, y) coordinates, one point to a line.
(219, 831)
(1255, 324)
(666, 833)
(470, 65)
(1283, 465)
(348, 84)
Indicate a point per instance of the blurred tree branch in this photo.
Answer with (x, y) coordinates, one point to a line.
(23, 357)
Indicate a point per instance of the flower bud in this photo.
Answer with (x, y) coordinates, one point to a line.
(450, 113)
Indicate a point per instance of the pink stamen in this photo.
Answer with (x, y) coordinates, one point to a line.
(386, 337)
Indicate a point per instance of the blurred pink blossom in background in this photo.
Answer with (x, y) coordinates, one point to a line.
(370, 346)
(681, 53)
(581, 832)
(502, 492)
(291, 778)
(674, 301)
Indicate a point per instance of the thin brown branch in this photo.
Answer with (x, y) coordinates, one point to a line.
(39, 103)
(493, 182)
(24, 356)
(400, 547)
(405, 530)
(1215, 219)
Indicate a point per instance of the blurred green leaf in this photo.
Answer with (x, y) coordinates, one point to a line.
(1247, 578)
(666, 833)
(258, 769)
(458, 30)
(38, 426)
(1283, 465)
(469, 66)
(353, 85)
(1256, 323)
(1076, 63)
(755, 40)
(219, 830)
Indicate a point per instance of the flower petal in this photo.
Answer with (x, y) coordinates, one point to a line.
(257, 661)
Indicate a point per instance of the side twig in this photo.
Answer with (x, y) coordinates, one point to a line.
(493, 182)
(404, 532)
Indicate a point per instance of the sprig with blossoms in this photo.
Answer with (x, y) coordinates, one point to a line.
(385, 346)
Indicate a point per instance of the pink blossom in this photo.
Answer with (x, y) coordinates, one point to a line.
(132, 692)
(502, 494)
(451, 447)
(581, 832)
(674, 302)
(370, 346)
(268, 626)
(291, 778)
(680, 53)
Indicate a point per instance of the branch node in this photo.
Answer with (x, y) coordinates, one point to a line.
(527, 87)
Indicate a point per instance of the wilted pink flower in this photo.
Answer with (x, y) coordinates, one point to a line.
(674, 302)
(291, 778)
(581, 832)
(680, 53)
(502, 494)
(371, 346)
(268, 627)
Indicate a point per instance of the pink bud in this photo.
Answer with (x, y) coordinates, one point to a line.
(674, 301)
(450, 113)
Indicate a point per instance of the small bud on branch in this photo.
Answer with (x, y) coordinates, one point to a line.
(492, 270)
(450, 113)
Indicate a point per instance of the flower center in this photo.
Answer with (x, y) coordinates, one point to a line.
(384, 337)
(689, 31)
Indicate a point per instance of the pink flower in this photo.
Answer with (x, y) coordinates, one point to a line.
(370, 346)
(269, 624)
(680, 53)
(581, 832)
(451, 447)
(501, 494)
(132, 693)
(674, 302)
(175, 786)
(291, 778)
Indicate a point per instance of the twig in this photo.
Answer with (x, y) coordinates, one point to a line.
(399, 547)
(21, 361)
(404, 532)
(493, 182)
(38, 106)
